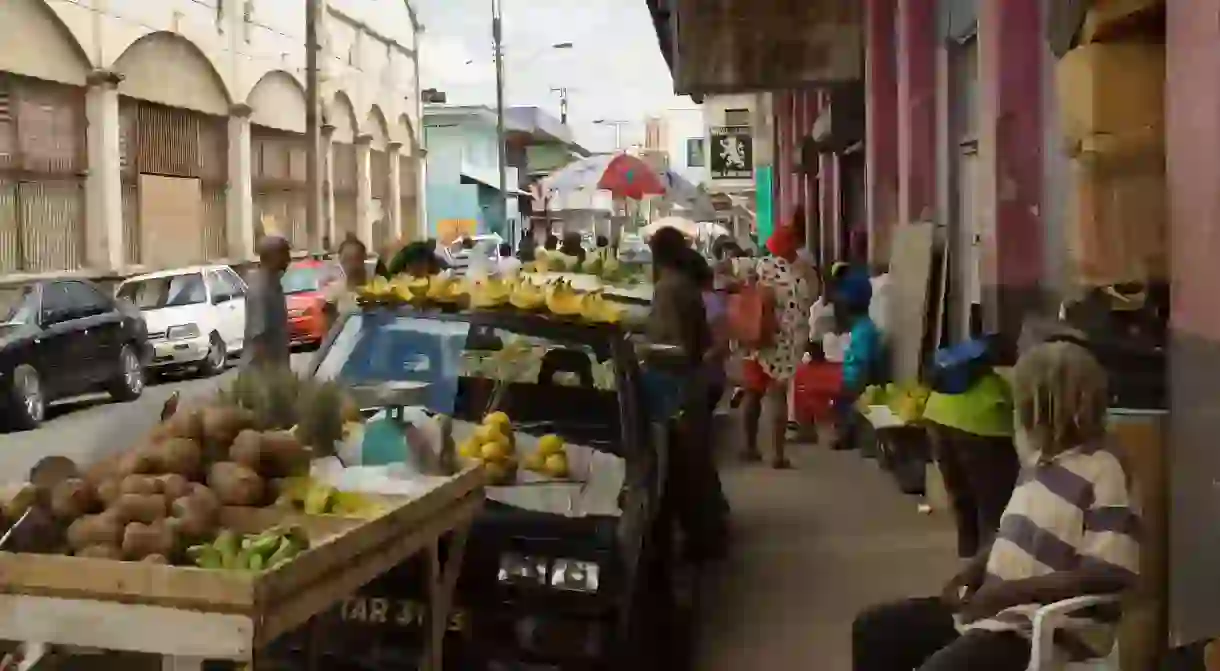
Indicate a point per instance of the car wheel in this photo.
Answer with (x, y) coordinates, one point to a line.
(29, 402)
(129, 383)
(214, 363)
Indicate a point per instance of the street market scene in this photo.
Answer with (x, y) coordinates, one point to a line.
(495, 335)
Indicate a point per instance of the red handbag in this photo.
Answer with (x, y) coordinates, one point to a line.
(751, 316)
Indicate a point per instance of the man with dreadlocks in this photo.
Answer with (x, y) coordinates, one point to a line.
(1069, 530)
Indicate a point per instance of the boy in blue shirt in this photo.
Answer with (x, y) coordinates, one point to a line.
(863, 357)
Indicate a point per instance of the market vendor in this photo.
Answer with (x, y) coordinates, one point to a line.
(969, 417)
(679, 317)
(341, 294)
(418, 259)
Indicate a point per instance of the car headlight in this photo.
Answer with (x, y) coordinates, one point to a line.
(182, 332)
(574, 575)
(522, 570)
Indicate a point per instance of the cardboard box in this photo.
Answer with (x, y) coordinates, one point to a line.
(1109, 92)
(1118, 225)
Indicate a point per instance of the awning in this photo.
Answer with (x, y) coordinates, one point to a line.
(728, 46)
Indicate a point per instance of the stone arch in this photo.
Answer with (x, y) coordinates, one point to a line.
(52, 51)
(377, 128)
(406, 135)
(278, 101)
(342, 116)
(169, 69)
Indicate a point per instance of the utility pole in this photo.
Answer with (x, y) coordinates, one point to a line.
(501, 151)
(563, 103)
(313, 127)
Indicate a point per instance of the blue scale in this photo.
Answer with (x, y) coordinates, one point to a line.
(385, 436)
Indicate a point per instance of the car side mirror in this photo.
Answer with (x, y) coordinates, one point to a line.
(217, 299)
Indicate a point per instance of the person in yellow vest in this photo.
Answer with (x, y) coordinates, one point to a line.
(972, 438)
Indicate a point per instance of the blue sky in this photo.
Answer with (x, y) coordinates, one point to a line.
(614, 70)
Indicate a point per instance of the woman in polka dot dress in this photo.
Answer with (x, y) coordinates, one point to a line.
(766, 372)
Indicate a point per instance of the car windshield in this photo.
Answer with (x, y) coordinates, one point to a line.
(23, 309)
(165, 292)
(302, 279)
(545, 383)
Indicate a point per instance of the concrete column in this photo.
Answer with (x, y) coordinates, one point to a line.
(328, 187)
(393, 151)
(104, 244)
(1011, 142)
(783, 151)
(1192, 97)
(364, 190)
(240, 216)
(916, 29)
(809, 182)
(881, 124)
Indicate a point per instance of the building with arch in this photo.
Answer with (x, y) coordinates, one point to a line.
(140, 135)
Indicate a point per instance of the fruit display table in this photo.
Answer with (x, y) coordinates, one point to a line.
(189, 614)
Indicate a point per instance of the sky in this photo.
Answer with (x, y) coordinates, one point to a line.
(614, 70)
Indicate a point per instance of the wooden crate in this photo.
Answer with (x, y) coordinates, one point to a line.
(217, 614)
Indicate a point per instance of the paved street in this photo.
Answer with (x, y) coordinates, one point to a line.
(85, 428)
(812, 546)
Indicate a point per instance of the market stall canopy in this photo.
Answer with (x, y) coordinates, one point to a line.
(730, 46)
(591, 184)
(687, 227)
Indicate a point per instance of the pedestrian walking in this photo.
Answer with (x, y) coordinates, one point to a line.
(266, 338)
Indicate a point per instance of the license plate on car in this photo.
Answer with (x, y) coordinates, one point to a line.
(386, 612)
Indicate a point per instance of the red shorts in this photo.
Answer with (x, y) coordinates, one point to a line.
(754, 378)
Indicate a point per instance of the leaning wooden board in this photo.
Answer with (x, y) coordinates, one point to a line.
(189, 612)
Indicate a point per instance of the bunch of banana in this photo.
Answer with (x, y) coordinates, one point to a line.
(410, 288)
(379, 289)
(563, 300)
(443, 288)
(526, 295)
(316, 498)
(595, 308)
(489, 293)
(252, 552)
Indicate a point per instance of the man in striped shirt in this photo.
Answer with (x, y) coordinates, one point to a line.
(1069, 530)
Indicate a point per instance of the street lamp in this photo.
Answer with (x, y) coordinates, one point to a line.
(618, 130)
(497, 36)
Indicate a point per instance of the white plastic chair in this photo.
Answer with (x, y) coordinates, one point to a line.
(1051, 617)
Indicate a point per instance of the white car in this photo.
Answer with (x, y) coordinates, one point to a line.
(196, 316)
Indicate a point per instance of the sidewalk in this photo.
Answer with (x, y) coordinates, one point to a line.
(811, 547)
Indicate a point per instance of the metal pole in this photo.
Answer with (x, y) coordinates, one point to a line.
(313, 129)
(497, 36)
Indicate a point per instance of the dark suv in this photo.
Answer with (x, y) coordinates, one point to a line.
(539, 589)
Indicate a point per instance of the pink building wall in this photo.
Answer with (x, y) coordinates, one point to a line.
(916, 55)
(881, 126)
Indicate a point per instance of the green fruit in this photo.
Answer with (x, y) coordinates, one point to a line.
(205, 556)
(256, 562)
(318, 500)
(228, 547)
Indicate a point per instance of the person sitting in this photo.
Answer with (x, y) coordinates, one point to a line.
(417, 259)
(1069, 530)
(571, 246)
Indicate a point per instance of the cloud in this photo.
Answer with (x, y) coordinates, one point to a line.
(614, 70)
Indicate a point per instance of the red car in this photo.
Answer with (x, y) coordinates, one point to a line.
(303, 285)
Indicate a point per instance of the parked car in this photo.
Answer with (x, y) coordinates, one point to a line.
(62, 338)
(540, 588)
(196, 316)
(304, 285)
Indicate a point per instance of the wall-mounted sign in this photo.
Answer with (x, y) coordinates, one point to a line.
(731, 153)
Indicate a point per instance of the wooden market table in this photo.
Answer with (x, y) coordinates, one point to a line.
(189, 615)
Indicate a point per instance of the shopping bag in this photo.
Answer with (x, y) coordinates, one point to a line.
(751, 316)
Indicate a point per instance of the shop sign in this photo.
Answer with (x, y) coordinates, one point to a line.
(731, 153)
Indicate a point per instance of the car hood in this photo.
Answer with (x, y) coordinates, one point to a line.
(160, 319)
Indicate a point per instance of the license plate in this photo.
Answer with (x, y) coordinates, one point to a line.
(384, 612)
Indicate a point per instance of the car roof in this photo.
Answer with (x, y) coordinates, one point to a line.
(600, 334)
(173, 272)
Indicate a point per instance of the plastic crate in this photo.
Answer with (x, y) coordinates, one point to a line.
(815, 387)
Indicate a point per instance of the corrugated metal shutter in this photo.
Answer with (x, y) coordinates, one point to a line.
(344, 190)
(172, 142)
(42, 162)
(280, 189)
